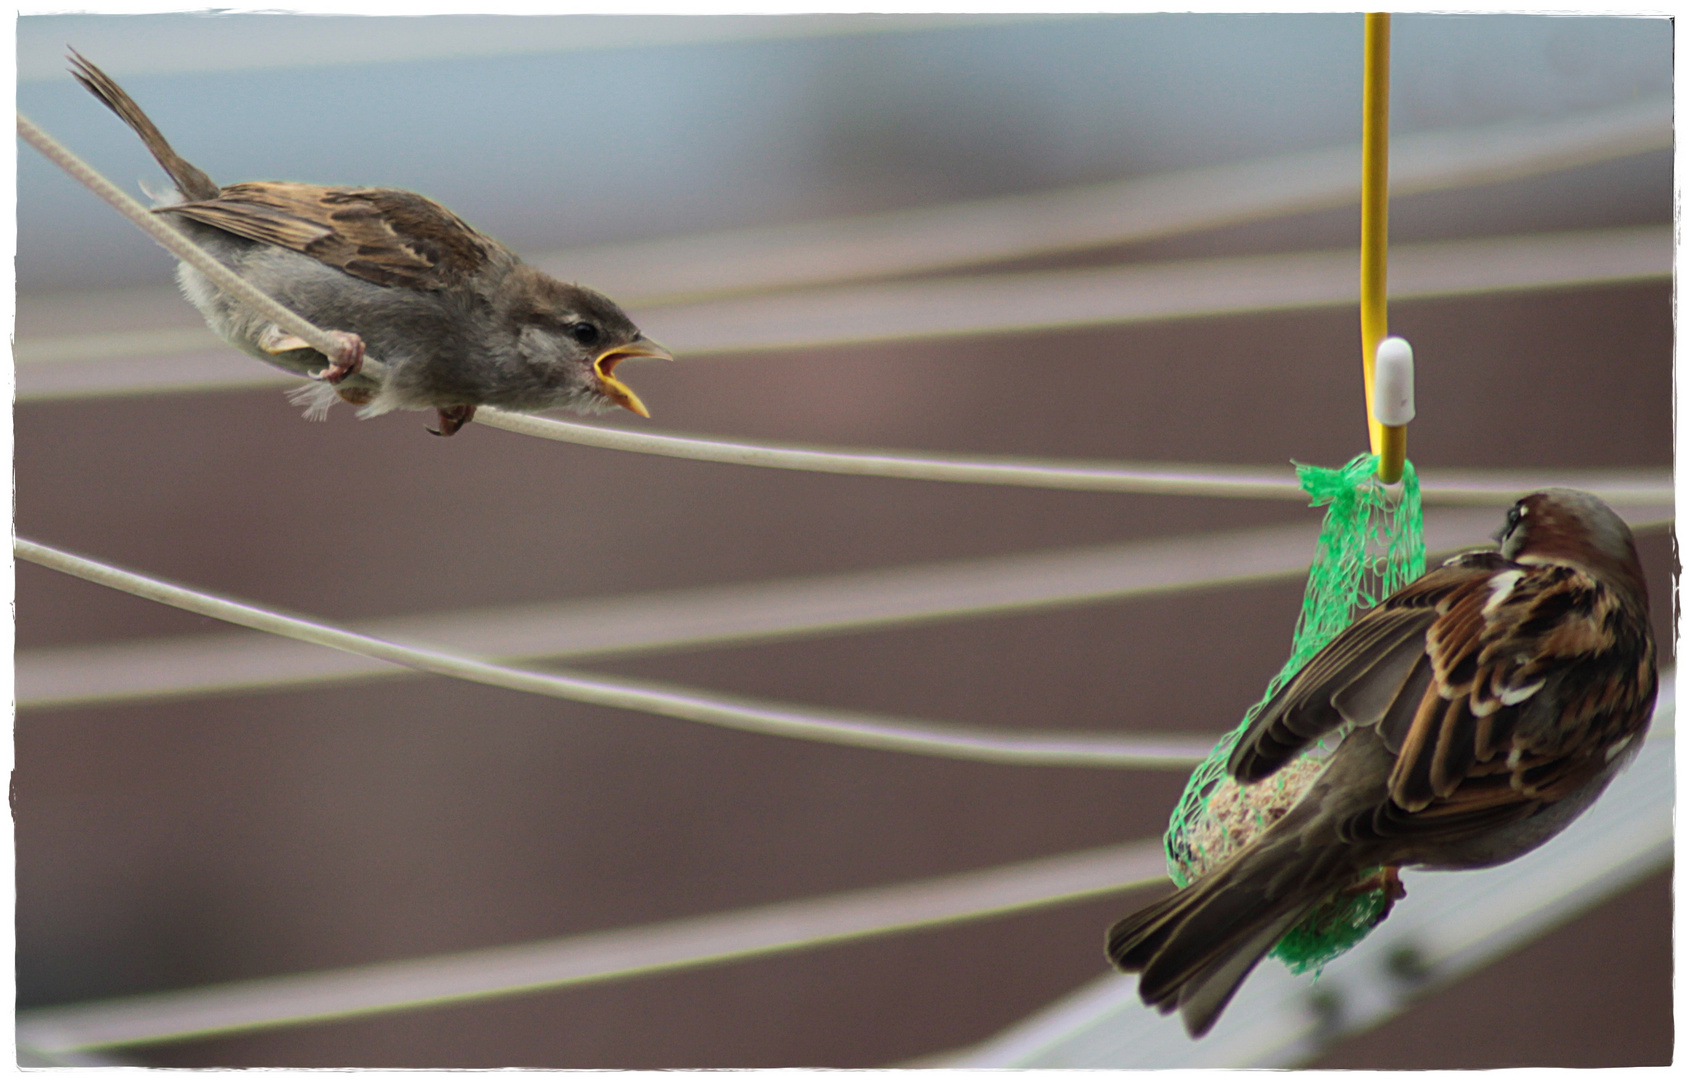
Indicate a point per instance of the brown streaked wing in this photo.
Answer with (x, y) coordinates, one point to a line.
(270, 213)
(383, 236)
(1356, 678)
(1439, 745)
(1490, 664)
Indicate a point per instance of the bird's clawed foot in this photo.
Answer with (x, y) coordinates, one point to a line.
(1386, 879)
(345, 360)
(452, 418)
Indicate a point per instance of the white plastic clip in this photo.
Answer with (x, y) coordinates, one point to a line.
(1392, 383)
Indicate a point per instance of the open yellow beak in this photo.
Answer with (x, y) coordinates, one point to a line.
(614, 388)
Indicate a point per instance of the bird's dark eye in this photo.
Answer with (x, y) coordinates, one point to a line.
(1513, 517)
(584, 332)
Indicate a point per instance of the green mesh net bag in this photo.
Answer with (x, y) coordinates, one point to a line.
(1371, 544)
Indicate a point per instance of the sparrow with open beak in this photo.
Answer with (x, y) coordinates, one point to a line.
(456, 317)
(1486, 706)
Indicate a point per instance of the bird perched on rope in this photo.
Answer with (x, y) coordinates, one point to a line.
(1486, 706)
(456, 317)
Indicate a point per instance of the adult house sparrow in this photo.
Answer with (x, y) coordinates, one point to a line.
(457, 318)
(1487, 704)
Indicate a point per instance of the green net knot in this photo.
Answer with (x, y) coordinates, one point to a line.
(1371, 543)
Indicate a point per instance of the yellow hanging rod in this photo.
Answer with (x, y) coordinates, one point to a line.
(1389, 442)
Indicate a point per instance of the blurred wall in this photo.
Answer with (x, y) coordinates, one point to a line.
(181, 843)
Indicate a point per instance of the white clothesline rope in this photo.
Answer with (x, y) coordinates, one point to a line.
(242, 662)
(1083, 749)
(239, 662)
(961, 234)
(314, 997)
(1632, 487)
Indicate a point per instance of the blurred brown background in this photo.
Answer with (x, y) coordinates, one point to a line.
(190, 842)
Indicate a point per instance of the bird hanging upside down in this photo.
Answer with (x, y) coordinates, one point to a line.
(1486, 704)
(456, 317)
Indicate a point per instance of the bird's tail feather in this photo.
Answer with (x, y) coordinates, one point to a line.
(1193, 949)
(190, 181)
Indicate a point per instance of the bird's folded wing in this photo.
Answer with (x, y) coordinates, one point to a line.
(387, 237)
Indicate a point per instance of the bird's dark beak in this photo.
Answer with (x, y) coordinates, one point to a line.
(616, 390)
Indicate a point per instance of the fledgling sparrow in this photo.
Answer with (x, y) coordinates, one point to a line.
(1487, 705)
(457, 318)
